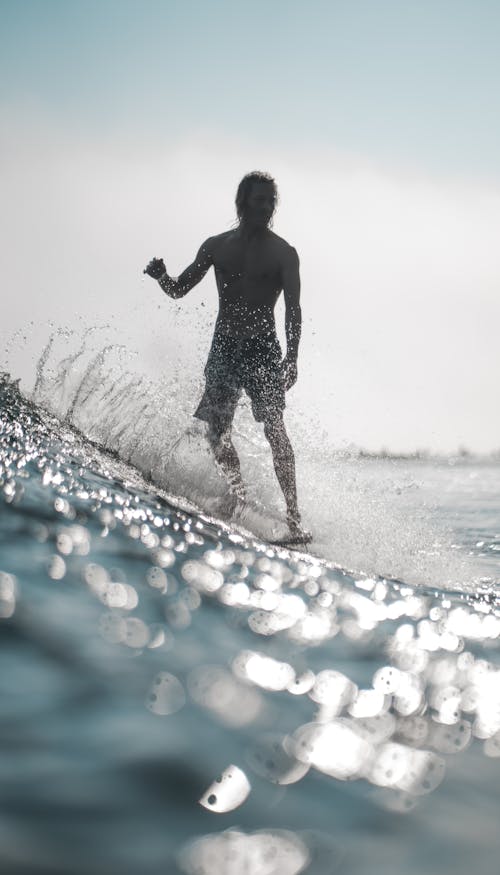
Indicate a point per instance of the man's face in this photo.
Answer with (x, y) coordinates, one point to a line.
(260, 203)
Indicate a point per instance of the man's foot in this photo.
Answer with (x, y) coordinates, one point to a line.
(234, 498)
(295, 526)
(237, 487)
(298, 537)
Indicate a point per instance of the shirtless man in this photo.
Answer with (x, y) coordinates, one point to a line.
(252, 266)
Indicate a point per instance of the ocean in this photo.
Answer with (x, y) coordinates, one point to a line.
(178, 696)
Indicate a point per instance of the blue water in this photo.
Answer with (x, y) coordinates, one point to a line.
(178, 697)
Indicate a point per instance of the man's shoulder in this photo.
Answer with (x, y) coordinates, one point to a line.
(207, 253)
(283, 248)
(215, 241)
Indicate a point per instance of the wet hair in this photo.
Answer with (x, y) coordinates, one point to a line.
(245, 187)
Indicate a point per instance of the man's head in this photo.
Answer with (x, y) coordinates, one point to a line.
(256, 198)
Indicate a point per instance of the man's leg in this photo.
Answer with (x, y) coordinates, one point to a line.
(284, 465)
(219, 436)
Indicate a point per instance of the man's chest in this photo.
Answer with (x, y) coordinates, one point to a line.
(255, 261)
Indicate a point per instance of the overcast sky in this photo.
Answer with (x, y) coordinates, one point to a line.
(126, 127)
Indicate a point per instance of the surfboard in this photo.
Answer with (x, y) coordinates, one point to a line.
(297, 541)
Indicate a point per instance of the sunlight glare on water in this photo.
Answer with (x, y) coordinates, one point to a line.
(167, 647)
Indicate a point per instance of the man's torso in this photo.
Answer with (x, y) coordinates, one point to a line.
(249, 281)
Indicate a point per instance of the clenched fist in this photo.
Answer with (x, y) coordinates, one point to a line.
(156, 268)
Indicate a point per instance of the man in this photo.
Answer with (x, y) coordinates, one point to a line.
(252, 266)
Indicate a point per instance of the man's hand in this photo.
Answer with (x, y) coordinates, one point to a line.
(289, 367)
(156, 268)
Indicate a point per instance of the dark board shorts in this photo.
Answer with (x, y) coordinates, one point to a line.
(235, 364)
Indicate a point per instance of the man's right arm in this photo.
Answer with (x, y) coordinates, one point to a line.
(190, 277)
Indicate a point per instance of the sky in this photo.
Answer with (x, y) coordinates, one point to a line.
(126, 126)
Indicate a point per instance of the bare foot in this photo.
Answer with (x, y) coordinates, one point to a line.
(294, 524)
(237, 487)
(228, 505)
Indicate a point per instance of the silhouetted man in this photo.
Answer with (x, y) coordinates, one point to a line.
(252, 266)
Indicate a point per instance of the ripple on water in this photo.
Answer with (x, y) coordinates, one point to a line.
(163, 653)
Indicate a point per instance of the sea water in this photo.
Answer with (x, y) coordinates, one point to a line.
(177, 696)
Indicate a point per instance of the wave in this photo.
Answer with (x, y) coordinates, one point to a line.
(367, 514)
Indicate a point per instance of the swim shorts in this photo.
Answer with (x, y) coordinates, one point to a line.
(234, 364)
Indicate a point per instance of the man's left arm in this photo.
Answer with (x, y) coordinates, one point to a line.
(293, 315)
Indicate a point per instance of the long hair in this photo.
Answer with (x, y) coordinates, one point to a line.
(245, 187)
